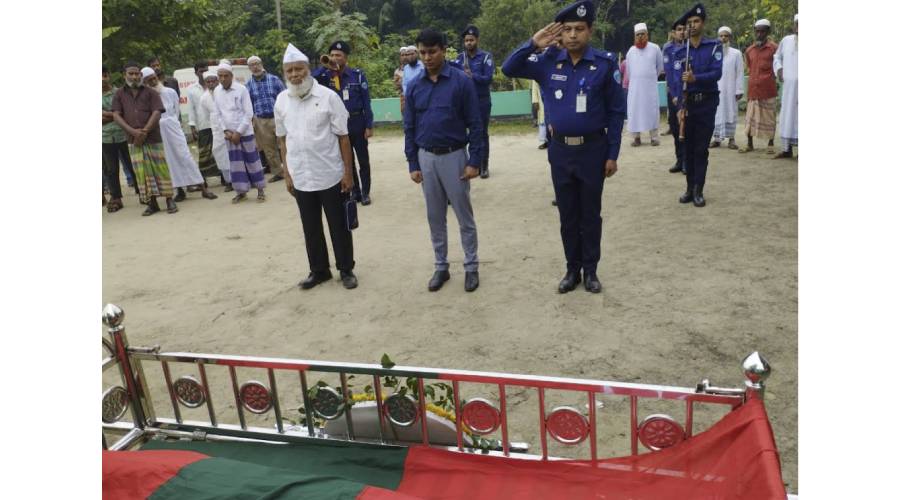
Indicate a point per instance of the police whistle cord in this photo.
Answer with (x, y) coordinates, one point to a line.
(682, 115)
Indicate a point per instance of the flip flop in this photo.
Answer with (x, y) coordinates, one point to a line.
(239, 198)
(209, 196)
(261, 197)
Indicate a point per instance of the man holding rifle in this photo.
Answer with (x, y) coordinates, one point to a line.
(698, 64)
(673, 90)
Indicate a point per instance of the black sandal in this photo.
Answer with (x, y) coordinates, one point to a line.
(152, 208)
(209, 196)
(171, 207)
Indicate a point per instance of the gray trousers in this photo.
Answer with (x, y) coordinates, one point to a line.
(441, 183)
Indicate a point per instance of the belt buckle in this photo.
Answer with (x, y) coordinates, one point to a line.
(574, 141)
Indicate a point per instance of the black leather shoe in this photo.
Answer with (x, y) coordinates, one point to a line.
(437, 280)
(276, 178)
(699, 200)
(688, 195)
(591, 283)
(349, 280)
(314, 279)
(675, 168)
(485, 173)
(569, 282)
(366, 200)
(181, 195)
(471, 281)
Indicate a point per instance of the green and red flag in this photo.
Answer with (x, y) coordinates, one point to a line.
(735, 458)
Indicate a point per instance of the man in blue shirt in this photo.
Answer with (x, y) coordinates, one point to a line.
(585, 107)
(412, 69)
(264, 87)
(440, 116)
(479, 66)
(699, 64)
(353, 89)
(673, 90)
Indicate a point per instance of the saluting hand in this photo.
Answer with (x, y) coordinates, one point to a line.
(611, 167)
(547, 35)
(416, 176)
(470, 172)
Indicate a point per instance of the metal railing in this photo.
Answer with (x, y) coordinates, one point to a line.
(473, 418)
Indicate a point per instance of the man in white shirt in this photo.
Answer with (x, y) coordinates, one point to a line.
(217, 133)
(311, 125)
(731, 90)
(786, 66)
(643, 65)
(199, 123)
(236, 114)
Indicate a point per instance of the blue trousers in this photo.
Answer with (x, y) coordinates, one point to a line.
(484, 108)
(698, 130)
(673, 126)
(359, 145)
(578, 173)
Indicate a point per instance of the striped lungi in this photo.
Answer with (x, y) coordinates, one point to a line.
(725, 130)
(761, 118)
(205, 160)
(151, 171)
(246, 169)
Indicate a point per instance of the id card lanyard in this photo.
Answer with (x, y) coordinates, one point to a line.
(581, 98)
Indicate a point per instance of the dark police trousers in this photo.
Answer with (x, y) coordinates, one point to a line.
(673, 126)
(311, 204)
(698, 130)
(356, 127)
(578, 173)
(484, 109)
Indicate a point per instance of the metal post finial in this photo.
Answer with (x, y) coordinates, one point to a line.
(113, 315)
(757, 370)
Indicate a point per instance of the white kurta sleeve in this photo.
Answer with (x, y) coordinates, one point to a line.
(739, 73)
(280, 130)
(660, 68)
(339, 114)
(246, 125)
(193, 105)
(778, 63)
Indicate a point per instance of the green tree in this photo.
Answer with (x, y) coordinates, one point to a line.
(337, 26)
(499, 35)
(445, 15)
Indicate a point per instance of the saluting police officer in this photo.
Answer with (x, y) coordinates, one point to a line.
(353, 88)
(673, 91)
(479, 66)
(700, 66)
(585, 107)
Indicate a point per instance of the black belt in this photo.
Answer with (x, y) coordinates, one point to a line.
(695, 97)
(265, 117)
(578, 140)
(356, 113)
(444, 150)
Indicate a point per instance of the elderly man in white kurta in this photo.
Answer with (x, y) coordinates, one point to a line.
(178, 155)
(208, 111)
(311, 125)
(731, 90)
(643, 65)
(786, 66)
(236, 114)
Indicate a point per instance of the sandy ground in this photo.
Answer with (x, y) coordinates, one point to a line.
(687, 293)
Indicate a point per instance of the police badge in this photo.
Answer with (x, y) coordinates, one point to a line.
(617, 76)
(718, 56)
(558, 93)
(582, 11)
(677, 64)
(533, 58)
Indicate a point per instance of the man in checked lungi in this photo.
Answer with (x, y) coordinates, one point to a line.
(137, 110)
(236, 114)
(761, 89)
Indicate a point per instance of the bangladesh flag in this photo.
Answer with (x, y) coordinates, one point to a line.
(736, 458)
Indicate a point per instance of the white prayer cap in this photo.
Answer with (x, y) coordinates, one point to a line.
(224, 65)
(640, 27)
(762, 23)
(254, 59)
(147, 72)
(413, 48)
(211, 73)
(293, 54)
(404, 49)
(724, 29)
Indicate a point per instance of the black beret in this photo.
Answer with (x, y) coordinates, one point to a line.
(578, 11)
(471, 30)
(340, 45)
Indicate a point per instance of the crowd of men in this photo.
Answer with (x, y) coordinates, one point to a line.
(314, 127)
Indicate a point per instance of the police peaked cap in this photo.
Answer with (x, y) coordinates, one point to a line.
(340, 45)
(698, 10)
(578, 11)
(471, 30)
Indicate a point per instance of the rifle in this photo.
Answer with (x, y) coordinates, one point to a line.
(682, 113)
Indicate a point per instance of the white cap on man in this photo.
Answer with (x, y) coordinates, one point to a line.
(211, 73)
(147, 72)
(640, 28)
(724, 29)
(224, 65)
(762, 23)
(293, 54)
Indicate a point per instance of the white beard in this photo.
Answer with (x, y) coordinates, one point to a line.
(301, 90)
(158, 88)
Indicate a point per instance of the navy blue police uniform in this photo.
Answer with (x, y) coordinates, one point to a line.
(482, 67)
(700, 100)
(585, 107)
(673, 91)
(354, 92)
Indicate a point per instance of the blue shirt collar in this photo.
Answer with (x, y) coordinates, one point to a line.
(564, 55)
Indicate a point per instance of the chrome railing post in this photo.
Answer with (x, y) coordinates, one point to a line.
(113, 316)
(756, 369)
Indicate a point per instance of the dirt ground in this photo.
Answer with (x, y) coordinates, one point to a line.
(687, 292)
